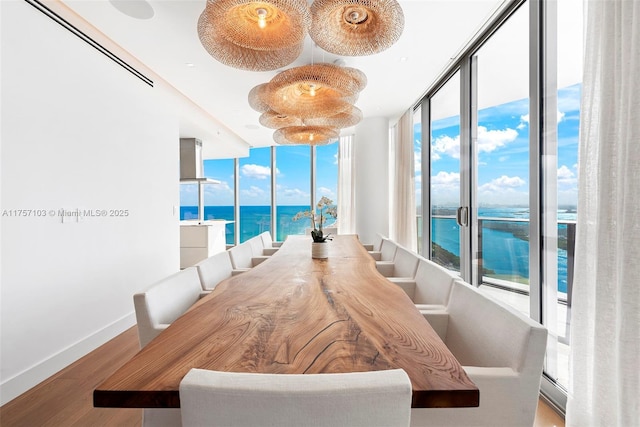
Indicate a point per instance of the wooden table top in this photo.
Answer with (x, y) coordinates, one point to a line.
(294, 314)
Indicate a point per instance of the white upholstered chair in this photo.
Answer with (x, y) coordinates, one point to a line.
(402, 268)
(359, 399)
(375, 246)
(242, 258)
(164, 302)
(214, 270)
(387, 251)
(502, 351)
(270, 247)
(257, 250)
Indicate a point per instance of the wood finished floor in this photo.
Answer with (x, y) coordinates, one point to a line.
(65, 399)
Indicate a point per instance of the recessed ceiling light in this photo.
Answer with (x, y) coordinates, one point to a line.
(190, 64)
(252, 127)
(404, 59)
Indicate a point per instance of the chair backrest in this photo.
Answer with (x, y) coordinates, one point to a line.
(267, 241)
(257, 246)
(164, 302)
(387, 250)
(214, 270)
(377, 242)
(433, 283)
(486, 333)
(360, 399)
(241, 255)
(405, 263)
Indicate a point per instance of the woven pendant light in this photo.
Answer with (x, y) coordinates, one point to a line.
(347, 118)
(312, 91)
(356, 27)
(258, 98)
(310, 135)
(254, 35)
(274, 120)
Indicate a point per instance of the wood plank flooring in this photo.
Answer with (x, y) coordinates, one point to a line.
(65, 399)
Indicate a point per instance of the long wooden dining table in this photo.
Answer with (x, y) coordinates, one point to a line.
(293, 314)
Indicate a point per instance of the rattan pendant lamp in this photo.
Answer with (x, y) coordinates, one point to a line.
(312, 91)
(356, 27)
(254, 35)
(308, 135)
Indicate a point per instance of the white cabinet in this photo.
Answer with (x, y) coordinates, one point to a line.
(200, 240)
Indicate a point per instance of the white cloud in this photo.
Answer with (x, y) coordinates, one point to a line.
(324, 191)
(504, 190)
(490, 140)
(256, 171)
(560, 116)
(293, 193)
(524, 120)
(566, 177)
(446, 145)
(253, 192)
(445, 188)
(501, 184)
(446, 179)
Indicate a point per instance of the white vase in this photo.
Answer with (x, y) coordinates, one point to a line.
(319, 250)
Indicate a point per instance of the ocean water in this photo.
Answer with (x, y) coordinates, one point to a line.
(505, 246)
(253, 219)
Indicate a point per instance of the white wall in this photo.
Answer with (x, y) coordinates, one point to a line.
(372, 178)
(78, 131)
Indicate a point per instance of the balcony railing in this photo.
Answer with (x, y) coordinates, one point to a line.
(517, 228)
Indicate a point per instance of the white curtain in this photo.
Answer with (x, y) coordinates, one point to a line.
(604, 385)
(346, 186)
(403, 195)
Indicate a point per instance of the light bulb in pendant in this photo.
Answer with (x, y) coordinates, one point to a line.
(312, 90)
(262, 17)
(310, 137)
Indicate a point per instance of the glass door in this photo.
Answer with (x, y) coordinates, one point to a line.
(444, 169)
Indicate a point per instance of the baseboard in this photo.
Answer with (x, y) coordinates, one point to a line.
(25, 380)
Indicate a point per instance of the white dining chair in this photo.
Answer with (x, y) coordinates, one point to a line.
(502, 351)
(358, 399)
(270, 247)
(242, 256)
(164, 302)
(402, 268)
(387, 251)
(214, 270)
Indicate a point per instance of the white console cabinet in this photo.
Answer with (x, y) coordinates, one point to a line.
(200, 240)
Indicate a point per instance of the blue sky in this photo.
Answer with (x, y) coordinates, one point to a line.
(293, 166)
(503, 163)
(503, 154)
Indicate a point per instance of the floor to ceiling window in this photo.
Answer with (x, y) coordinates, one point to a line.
(293, 192)
(445, 174)
(255, 193)
(417, 158)
(218, 198)
(503, 167)
(502, 161)
(569, 66)
(326, 158)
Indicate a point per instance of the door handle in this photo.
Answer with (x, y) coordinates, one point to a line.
(462, 216)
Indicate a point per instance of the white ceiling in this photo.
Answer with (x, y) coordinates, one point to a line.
(167, 42)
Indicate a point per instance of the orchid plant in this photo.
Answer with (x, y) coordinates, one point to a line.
(327, 209)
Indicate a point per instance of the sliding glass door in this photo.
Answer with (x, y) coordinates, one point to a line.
(502, 167)
(444, 167)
